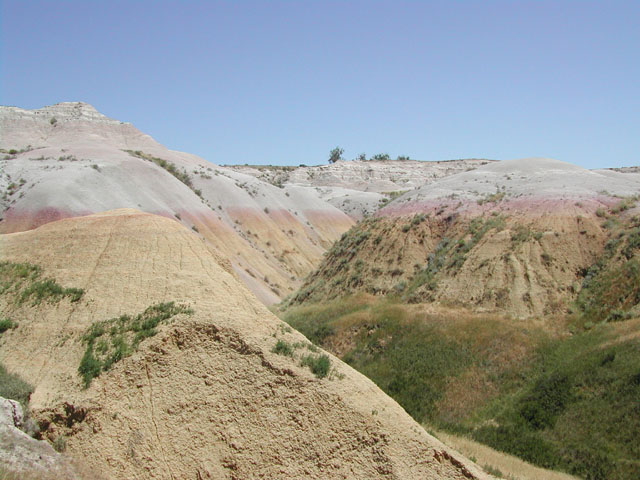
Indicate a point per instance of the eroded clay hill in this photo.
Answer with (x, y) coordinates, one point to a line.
(69, 160)
(214, 389)
(515, 236)
(357, 187)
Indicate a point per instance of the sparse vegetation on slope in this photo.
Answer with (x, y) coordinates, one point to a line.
(405, 256)
(491, 261)
(611, 286)
(24, 281)
(450, 253)
(110, 341)
(318, 363)
(170, 167)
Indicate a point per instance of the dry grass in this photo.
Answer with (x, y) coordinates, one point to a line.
(509, 466)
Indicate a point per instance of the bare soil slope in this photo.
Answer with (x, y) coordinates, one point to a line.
(205, 397)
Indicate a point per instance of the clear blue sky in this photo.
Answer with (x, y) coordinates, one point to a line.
(284, 82)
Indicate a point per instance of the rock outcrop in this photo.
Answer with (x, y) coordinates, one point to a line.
(24, 455)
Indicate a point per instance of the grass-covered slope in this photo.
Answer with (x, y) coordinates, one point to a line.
(559, 401)
(611, 287)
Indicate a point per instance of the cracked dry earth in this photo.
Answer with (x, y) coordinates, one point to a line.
(206, 397)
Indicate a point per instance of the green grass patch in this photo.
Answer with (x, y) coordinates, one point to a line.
(6, 324)
(316, 321)
(409, 360)
(565, 403)
(283, 348)
(576, 408)
(318, 364)
(110, 341)
(25, 282)
(49, 290)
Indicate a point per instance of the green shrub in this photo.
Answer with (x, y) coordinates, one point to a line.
(492, 198)
(60, 444)
(548, 398)
(90, 367)
(418, 218)
(521, 234)
(49, 290)
(319, 365)
(6, 324)
(283, 348)
(110, 341)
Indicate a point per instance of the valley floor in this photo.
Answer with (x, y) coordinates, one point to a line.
(498, 463)
(550, 391)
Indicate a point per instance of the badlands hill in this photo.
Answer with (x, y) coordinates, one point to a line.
(210, 386)
(516, 236)
(69, 160)
(357, 187)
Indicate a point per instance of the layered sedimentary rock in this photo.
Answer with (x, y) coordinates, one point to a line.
(69, 160)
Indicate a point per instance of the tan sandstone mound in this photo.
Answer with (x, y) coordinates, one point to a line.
(206, 396)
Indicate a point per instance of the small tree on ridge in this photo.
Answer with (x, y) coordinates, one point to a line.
(335, 155)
